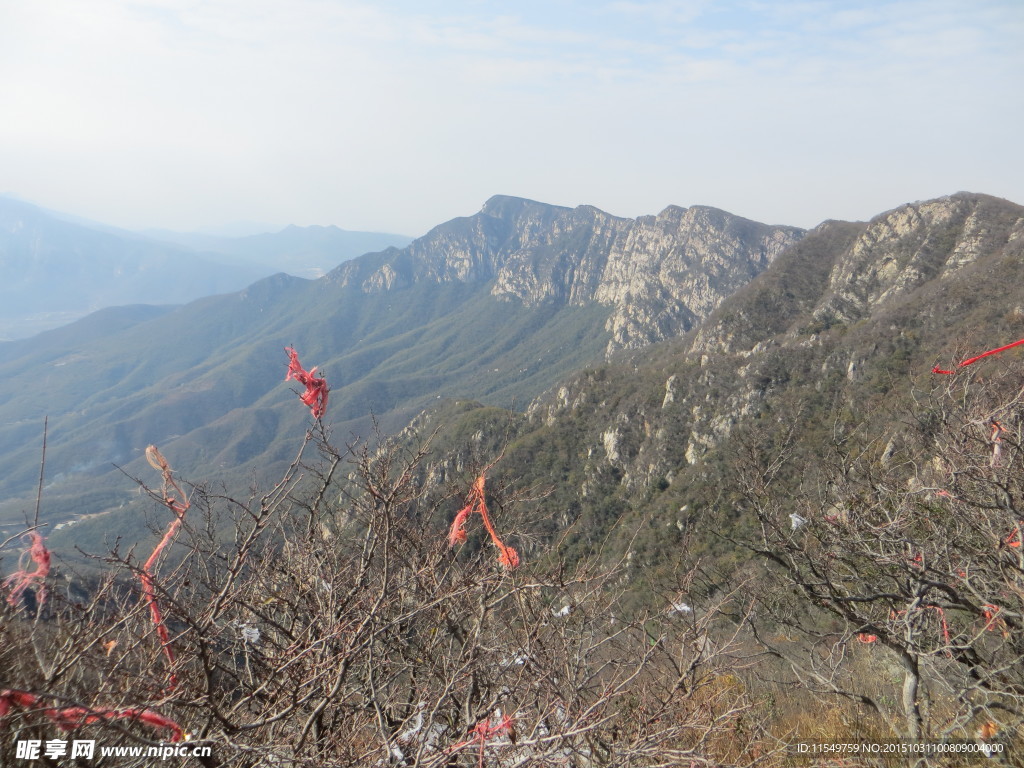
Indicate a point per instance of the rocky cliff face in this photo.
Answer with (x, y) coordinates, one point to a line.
(668, 272)
(842, 320)
(660, 275)
(843, 272)
(903, 249)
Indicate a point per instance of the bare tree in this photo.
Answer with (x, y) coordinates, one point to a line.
(895, 563)
(326, 621)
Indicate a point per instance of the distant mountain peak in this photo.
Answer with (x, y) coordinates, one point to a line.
(508, 206)
(54, 270)
(499, 307)
(659, 274)
(673, 210)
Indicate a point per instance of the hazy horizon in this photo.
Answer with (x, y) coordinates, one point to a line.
(396, 116)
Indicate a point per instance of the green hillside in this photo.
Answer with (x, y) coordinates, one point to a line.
(213, 391)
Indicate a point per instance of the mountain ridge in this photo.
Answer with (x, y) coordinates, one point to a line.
(55, 269)
(579, 255)
(392, 331)
(647, 444)
(214, 401)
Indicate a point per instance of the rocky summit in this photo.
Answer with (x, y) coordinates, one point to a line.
(501, 307)
(659, 275)
(497, 306)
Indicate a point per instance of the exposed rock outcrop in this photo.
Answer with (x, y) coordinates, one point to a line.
(661, 275)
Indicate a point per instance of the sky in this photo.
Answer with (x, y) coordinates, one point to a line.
(396, 115)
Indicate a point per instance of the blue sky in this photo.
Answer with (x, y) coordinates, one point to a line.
(395, 116)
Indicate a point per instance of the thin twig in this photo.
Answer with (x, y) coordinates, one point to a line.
(42, 467)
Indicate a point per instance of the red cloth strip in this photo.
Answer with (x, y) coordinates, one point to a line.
(976, 358)
(179, 508)
(475, 502)
(315, 395)
(23, 578)
(70, 718)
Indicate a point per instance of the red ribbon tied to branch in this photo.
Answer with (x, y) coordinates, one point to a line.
(179, 507)
(315, 395)
(23, 578)
(70, 718)
(976, 358)
(475, 502)
(483, 732)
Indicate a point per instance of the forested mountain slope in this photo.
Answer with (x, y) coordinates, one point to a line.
(843, 328)
(496, 306)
